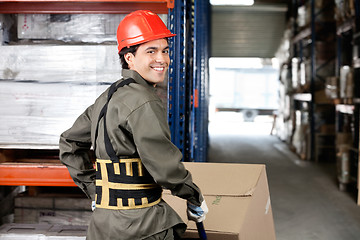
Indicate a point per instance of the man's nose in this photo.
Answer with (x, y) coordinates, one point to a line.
(160, 57)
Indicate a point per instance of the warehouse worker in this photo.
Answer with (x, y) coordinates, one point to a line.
(135, 159)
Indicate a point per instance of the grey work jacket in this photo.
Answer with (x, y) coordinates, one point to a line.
(136, 124)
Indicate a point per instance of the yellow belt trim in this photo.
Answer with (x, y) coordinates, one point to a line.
(121, 160)
(116, 168)
(140, 170)
(123, 186)
(120, 205)
(105, 183)
(128, 165)
(129, 170)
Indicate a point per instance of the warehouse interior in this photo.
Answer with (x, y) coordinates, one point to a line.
(271, 83)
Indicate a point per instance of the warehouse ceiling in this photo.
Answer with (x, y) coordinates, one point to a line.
(248, 31)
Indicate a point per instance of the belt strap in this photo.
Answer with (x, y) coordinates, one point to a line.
(108, 146)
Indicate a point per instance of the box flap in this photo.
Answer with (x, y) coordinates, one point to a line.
(225, 179)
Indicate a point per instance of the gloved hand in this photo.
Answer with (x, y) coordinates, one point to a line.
(93, 205)
(196, 213)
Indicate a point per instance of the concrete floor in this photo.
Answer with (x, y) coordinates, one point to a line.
(305, 198)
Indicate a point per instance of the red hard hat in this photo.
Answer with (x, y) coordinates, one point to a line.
(139, 27)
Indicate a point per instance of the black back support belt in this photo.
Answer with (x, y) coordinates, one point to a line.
(122, 183)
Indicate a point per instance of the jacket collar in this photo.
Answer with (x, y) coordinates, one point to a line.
(127, 73)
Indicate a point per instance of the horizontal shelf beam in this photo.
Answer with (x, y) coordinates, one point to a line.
(345, 27)
(306, 97)
(301, 35)
(81, 7)
(28, 146)
(344, 108)
(35, 174)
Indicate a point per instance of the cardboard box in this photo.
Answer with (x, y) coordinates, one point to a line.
(35, 114)
(42, 231)
(42, 94)
(69, 27)
(88, 28)
(238, 199)
(78, 64)
(57, 209)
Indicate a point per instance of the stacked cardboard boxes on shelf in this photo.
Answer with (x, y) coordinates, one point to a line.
(284, 121)
(347, 108)
(336, 89)
(311, 64)
(52, 66)
(324, 8)
(48, 77)
(42, 231)
(59, 209)
(345, 149)
(44, 88)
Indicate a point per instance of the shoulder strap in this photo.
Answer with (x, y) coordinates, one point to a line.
(108, 146)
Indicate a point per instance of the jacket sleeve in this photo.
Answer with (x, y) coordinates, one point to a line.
(160, 156)
(74, 148)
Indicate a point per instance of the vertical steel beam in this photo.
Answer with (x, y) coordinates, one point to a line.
(201, 73)
(357, 15)
(188, 78)
(190, 136)
(312, 83)
(176, 83)
(295, 27)
(339, 42)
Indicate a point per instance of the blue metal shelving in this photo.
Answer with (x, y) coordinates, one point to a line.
(201, 73)
(188, 78)
(310, 33)
(176, 86)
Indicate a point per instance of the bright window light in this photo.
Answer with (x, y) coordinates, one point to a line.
(232, 2)
(233, 62)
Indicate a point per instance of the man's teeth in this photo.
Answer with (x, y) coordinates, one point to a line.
(158, 68)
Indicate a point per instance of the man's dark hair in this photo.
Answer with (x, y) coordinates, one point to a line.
(124, 51)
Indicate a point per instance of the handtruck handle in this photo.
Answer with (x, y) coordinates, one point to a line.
(201, 231)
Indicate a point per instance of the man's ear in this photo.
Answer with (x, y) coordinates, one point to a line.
(129, 59)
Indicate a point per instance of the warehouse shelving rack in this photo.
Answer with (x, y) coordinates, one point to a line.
(201, 77)
(84, 6)
(348, 109)
(188, 77)
(308, 96)
(347, 130)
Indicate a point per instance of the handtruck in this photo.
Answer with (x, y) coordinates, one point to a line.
(201, 232)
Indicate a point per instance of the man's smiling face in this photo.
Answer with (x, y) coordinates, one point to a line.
(151, 60)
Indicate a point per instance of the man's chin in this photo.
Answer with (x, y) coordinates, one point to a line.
(158, 79)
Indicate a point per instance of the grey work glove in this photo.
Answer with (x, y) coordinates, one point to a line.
(196, 213)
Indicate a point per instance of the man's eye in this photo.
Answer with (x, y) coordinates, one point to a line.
(166, 51)
(151, 51)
